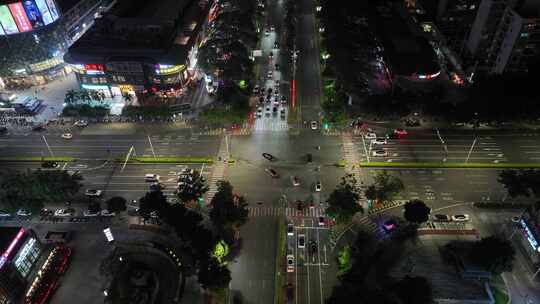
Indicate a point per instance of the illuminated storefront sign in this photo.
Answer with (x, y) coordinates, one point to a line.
(23, 253)
(47, 18)
(14, 242)
(46, 64)
(94, 69)
(164, 69)
(95, 87)
(528, 234)
(33, 13)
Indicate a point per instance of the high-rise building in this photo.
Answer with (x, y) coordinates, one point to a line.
(34, 35)
(453, 18)
(505, 36)
(141, 45)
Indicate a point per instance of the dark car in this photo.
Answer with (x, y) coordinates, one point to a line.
(309, 158)
(268, 156)
(49, 164)
(3, 130)
(289, 293)
(38, 128)
(272, 172)
(312, 247)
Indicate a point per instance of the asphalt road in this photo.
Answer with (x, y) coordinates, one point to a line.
(181, 143)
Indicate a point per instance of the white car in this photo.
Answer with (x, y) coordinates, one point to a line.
(24, 212)
(106, 212)
(318, 186)
(370, 136)
(88, 213)
(81, 123)
(270, 74)
(4, 213)
(295, 181)
(93, 192)
(314, 125)
(290, 263)
(259, 112)
(460, 217)
(379, 141)
(151, 177)
(379, 153)
(67, 136)
(64, 212)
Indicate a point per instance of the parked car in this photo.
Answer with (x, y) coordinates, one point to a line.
(81, 123)
(93, 192)
(370, 136)
(441, 218)
(106, 212)
(39, 128)
(89, 213)
(24, 212)
(460, 217)
(379, 153)
(46, 212)
(301, 241)
(64, 212)
(273, 173)
(379, 141)
(49, 164)
(4, 213)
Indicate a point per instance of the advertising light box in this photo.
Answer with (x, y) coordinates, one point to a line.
(33, 13)
(8, 24)
(19, 15)
(44, 10)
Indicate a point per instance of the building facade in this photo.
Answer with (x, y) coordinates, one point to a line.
(20, 251)
(35, 34)
(505, 36)
(142, 46)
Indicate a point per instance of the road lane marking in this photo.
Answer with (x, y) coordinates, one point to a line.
(319, 260)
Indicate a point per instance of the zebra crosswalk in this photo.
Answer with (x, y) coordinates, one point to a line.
(219, 170)
(269, 124)
(290, 212)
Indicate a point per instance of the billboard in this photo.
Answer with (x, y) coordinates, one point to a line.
(27, 15)
(19, 15)
(8, 24)
(33, 13)
(44, 10)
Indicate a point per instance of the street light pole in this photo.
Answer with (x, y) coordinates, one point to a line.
(131, 150)
(47, 144)
(151, 146)
(470, 151)
(444, 145)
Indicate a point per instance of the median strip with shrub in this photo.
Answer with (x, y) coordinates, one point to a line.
(166, 160)
(8, 159)
(448, 165)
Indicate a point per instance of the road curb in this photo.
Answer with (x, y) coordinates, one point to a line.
(439, 165)
(22, 159)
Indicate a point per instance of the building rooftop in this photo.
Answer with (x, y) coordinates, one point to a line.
(159, 30)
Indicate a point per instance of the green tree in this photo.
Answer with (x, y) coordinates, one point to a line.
(153, 201)
(228, 210)
(116, 204)
(193, 186)
(94, 207)
(343, 201)
(32, 189)
(416, 211)
(384, 188)
(495, 253)
(521, 182)
(213, 275)
(344, 260)
(414, 290)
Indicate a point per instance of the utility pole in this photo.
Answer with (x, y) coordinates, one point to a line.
(151, 146)
(131, 150)
(444, 145)
(470, 151)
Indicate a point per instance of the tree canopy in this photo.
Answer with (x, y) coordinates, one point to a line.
(521, 182)
(153, 201)
(193, 186)
(416, 211)
(343, 201)
(495, 253)
(116, 204)
(32, 189)
(228, 209)
(384, 188)
(213, 275)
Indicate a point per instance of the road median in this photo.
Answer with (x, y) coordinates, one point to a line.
(421, 165)
(169, 160)
(30, 159)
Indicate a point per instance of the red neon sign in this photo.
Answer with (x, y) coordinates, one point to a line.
(19, 15)
(13, 243)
